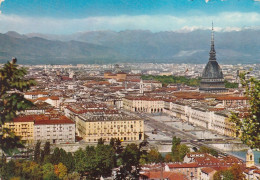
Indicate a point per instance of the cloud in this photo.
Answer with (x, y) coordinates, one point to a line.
(154, 23)
(187, 53)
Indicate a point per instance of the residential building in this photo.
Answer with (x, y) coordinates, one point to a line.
(56, 130)
(95, 125)
(143, 104)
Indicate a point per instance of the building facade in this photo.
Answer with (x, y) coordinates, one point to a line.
(55, 131)
(143, 104)
(92, 127)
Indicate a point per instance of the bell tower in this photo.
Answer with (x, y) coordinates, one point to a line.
(250, 158)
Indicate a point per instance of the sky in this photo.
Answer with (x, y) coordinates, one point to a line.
(72, 16)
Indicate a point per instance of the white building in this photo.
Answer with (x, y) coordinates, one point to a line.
(60, 130)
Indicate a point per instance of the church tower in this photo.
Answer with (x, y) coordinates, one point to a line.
(250, 158)
(212, 80)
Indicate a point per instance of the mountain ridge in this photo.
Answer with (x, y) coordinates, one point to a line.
(131, 46)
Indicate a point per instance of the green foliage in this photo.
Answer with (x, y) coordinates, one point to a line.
(230, 84)
(13, 78)
(60, 170)
(47, 148)
(183, 150)
(37, 152)
(116, 144)
(204, 149)
(168, 157)
(165, 80)
(9, 142)
(130, 156)
(233, 173)
(179, 150)
(72, 176)
(104, 160)
(50, 176)
(12, 83)
(154, 156)
(248, 127)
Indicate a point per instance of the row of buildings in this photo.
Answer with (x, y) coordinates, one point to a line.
(33, 128)
(201, 166)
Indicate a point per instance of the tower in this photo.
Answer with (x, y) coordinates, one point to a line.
(212, 80)
(141, 87)
(250, 158)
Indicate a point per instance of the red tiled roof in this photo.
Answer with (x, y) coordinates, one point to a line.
(232, 98)
(183, 165)
(36, 93)
(43, 119)
(257, 171)
(144, 98)
(207, 170)
(54, 98)
(169, 175)
(58, 121)
(30, 118)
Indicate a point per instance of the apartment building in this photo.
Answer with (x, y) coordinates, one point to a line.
(60, 130)
(143, 104)
(31, 128)
(213, 119)
(96, 125)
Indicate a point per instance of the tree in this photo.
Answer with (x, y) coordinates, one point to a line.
(101, 141)
(12, 84)
(85, 162)
(47, 148)
(233, 173)
(56, 156)
(8, 170)
(37, 151)
(104, 160)
(204, 149)
(72, 176)
(154, 156)
(60, 170)
(48, 172)
(168, 157)
(183, 150)
(130, 158)
(175, 148)
(80, 164)
(248, 128)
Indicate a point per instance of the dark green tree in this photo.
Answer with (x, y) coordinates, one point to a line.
(130, 158)
(12, 83)
(183, 150)
(41, 156)
(47, 148)
(37, 152)
(104, 160)
(204, 149)
(175, 148)
(248, 127)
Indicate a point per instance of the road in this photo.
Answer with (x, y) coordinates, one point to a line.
(172, 131)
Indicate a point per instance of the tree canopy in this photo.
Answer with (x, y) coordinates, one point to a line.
(12, 83)
(248, 124)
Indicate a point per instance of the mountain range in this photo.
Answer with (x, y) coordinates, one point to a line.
(130, 46)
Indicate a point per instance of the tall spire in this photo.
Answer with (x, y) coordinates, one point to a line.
(212, 53)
